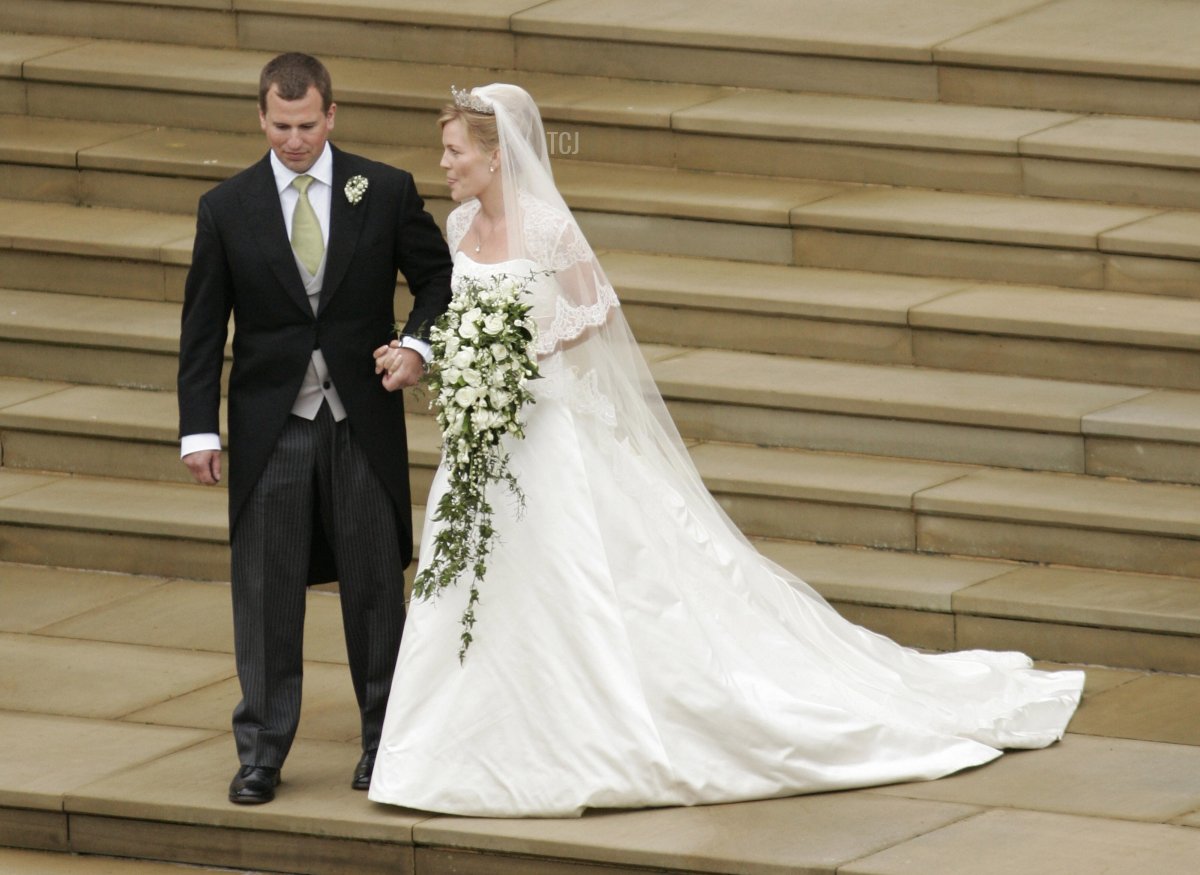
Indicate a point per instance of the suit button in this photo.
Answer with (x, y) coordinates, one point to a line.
(326, 384)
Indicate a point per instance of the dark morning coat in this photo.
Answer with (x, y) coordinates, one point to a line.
(242, 262)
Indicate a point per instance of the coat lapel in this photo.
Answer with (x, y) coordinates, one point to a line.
(260, 199)
(345, 225)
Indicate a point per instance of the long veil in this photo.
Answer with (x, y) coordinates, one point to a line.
(589, 357)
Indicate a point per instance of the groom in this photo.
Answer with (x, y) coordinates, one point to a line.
(303, 249)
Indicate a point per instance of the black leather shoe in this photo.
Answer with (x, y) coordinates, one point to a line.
(362, 772)
(254, 785)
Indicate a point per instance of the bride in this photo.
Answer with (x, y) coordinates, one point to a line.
(631, 648)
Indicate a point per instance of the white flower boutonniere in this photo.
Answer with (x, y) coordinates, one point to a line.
(356, 187)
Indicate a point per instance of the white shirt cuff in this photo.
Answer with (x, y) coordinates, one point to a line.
(420, 346)
(195, 443)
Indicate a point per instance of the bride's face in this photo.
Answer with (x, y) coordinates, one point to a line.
(466, 165)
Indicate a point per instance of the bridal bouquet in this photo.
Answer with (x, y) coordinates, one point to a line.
(482, 354)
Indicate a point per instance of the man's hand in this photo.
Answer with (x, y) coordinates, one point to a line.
(401, 367)
(205, 466)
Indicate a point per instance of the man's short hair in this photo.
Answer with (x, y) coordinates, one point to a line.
(292, 74)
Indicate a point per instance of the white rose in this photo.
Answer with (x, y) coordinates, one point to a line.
(463, 358)
(493, 324)
(465, 396)
(450, 376)
(472, 377)
(468, 330)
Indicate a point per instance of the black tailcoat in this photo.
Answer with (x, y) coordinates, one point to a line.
(242, 262)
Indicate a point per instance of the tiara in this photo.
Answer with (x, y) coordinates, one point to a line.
(467, 100)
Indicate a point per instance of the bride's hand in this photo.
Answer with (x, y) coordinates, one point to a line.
(401, 367)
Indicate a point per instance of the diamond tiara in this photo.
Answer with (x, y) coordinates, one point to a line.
(464, 99)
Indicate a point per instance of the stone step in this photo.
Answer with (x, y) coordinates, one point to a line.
(934, 602)
(393, 103)
(811, 136)
(713, 395)
(1113, 56)
(1057, 613)
(1039, 241)
(1105, 337)
(1008, 239)
(1108, 337)
(80, 521)
(956, 509)
(130, 433)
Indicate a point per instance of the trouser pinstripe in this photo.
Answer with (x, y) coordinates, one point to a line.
(315, 470)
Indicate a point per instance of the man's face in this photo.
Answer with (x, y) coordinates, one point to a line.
(296, 129)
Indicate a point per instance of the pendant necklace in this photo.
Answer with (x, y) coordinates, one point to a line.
(480, 238)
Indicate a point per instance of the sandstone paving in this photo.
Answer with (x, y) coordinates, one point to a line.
(1118, 140)
(162, 67)
(130, 507)
(491, 14)
(894, 29)
(866, 121)
(112, 233)
(90, 321)
(179, 614)
(1162, 415)
(1082, 775)
(1001, 842)
(174, 151)
(1066, 500)
(972, 217)
(15, 391)
(1169, 234)
(192, 785)
(20, 862)
(893, 391)
(34, 596)
(1156, 707)
(797, 291)
(17, 48)
(1157, 39)
(1147, 602)
(328, 710)
(687, 193)
(856, 574)
(819, 476)
(1035, 311)
(47, 756)
(100, 411)
(58, 142)
(13, 486)
(190, 615)
(97, 679)
(808, 834)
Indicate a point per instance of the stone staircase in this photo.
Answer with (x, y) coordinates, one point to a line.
(920, 281)
(933, 304)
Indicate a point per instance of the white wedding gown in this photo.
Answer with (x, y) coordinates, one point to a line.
(630, 651)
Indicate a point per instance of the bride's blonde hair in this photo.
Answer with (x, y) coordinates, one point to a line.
(481, 127)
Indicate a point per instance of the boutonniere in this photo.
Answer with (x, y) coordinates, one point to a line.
(356, 187)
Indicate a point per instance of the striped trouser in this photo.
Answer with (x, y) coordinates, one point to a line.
(316, 472)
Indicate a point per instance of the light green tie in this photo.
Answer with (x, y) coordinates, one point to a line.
(307, 242)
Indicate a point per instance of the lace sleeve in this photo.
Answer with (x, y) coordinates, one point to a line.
(585, 296)
(458, 222)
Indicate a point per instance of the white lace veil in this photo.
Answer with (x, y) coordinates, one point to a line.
(585, 345)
